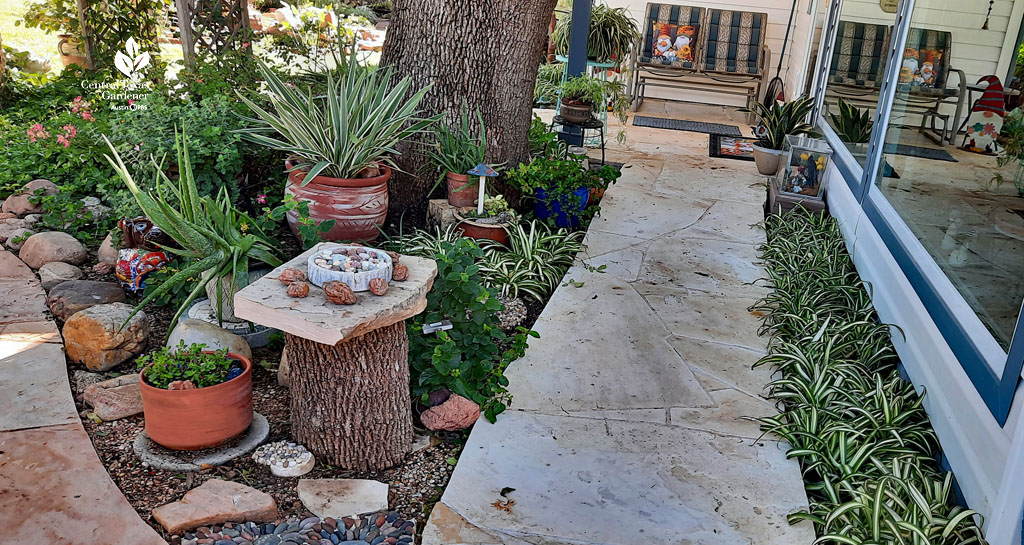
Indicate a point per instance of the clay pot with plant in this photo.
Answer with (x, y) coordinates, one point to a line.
(491, 224)
(194, 398)
(580, 95)
(774, 123)
(59, 17)
(457, 149)
(341, 143)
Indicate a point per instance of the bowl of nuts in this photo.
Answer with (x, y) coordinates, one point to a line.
(353, 265)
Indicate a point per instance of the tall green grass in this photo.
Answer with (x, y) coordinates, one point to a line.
(862, 437)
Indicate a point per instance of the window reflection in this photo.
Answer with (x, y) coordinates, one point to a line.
(942, 169)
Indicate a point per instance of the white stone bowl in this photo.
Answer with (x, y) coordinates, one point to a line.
(358, 281)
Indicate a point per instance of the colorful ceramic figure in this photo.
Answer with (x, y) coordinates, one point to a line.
(141, 233)
(134, 265)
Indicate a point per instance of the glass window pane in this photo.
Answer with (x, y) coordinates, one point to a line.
(942, 167)
(857, 70)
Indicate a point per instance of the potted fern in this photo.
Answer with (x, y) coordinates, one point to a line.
(774, 123)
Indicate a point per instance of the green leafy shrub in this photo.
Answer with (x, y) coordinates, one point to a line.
(65, 212)
(543, 141)
(469, 359)
(187, 363)
(559, 179)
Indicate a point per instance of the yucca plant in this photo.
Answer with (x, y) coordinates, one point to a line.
(852, 124)
(613, 33)
(776, 121)
(212, 235)
(352, 129)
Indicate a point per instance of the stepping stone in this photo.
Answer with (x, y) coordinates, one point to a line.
(49, 246)
(52, 274)
(73, 296)
(216, 501)
(116, 398)
(94, 337)
(342, 497)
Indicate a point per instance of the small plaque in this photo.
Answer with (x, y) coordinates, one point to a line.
(889, 6)
(434, 327)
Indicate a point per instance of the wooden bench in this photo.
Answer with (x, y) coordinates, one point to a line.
(726, 51)
(858, 69)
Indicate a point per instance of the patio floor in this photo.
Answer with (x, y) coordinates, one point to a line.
(627, 423)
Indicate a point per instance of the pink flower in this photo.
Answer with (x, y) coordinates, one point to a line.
(88, 116)
(37, 132)
(261, 198)
(69, 132)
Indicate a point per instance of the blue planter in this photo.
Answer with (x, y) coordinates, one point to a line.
(567, 210)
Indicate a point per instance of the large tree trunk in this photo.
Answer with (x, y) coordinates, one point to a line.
(350, 402)
(478, 54)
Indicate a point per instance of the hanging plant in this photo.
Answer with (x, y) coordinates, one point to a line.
(613, 33)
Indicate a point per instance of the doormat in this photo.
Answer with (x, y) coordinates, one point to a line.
(730, 147)
(683, 125)
(937, 154)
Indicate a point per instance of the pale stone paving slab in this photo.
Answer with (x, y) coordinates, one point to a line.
(714, 266)
(705, 316)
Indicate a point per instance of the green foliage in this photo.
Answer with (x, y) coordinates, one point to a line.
(777, 121)
(853, 125)
(583, 90)
(1011, 137)
(613, 34)
(310, 232)
(533, 262)
(56, 16)
(459, 147)
(545, 89)
(469, 359)
(65, 212)
(187, 363)
(217, 238)
(543, 141)
(355, 126)
(560, 178)
(858, 430)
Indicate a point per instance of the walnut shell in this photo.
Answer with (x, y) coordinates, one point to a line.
(298, 289)
(395, 257)
(378, 286)
(339, 293)
(401, 273)
(292, 275)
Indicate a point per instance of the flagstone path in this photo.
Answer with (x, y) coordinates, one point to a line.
(627, 423)
(53, 488)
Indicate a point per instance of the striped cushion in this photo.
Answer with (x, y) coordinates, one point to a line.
(923, 39)
(860, 52)
(733, 41)
(673, 15)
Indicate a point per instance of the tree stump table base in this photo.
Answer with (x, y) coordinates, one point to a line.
(350, 402)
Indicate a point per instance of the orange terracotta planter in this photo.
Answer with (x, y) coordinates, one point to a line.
(457, 196)
(200, 418)
(482, 231)
(357, 205)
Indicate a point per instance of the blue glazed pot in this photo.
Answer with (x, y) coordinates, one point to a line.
(567, 210)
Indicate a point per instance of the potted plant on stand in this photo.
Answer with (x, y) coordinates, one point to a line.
(774, 123)
(194, 398)
(455, 152)
(580, 95)
(340, 143)
(561, 188)
(213, 236)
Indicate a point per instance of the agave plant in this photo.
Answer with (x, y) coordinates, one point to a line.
(216, 238)
(776, 121)
(354, 127)
(852, 124)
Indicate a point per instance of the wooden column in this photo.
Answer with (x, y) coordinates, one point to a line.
(350, 402)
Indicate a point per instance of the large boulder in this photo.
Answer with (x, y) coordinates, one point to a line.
(18, 237)
(214, 502)
(58, 272)
(72, 296)
(19, 203)
(94, 337)
(456, 413)
(193, 331)
(116, 398)
(50, 246)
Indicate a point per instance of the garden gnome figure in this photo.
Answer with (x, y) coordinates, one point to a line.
(484, 172)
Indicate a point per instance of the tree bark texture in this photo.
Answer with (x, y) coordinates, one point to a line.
(351, 405)
(478, 54)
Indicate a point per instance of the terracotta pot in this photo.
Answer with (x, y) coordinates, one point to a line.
(575, 113)
(481, 231)
(72, 51)
(358, 205)
(457, 196)
(767, 160)
(199, 418)
(595, 195)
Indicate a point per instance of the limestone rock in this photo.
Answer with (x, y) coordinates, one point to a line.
(216, 501)
(9, 225)
(116, 398)
(94, 206)
(17, 238)
(284, 370)
(457, 413)
(94, 337)
(73, 296)
(18, 203)
(57, 272)
(82, 379)
(342, 497)
(102, 268)
(50, 246)
(108, 251)
(193, 331)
